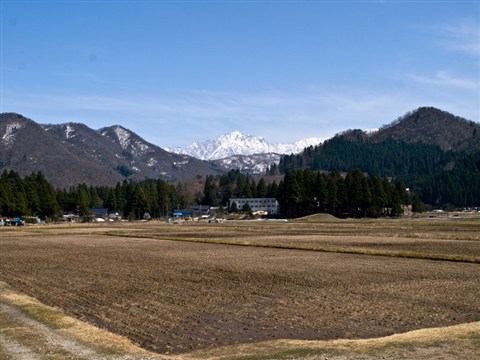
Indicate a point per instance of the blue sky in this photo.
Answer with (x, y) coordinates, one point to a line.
(179, 71)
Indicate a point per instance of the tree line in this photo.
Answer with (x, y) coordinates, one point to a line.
(219, 189)
(305, 192)
(30, 196)
(440, 178)
(35, 196)
(389, 158)
(299, 193)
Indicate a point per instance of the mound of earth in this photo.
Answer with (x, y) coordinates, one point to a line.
(317, 217)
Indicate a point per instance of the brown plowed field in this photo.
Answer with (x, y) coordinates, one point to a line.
(166, 289)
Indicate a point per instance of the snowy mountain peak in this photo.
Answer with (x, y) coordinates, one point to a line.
(239, 137)
(236, 143)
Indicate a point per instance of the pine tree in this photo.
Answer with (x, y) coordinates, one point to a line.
(272, 190)
(367, 196)
(354, 188)
(246, 191)
(332, 201)
(261, 190)
(417, 206)
(110, 200)
(291, 195)
(247, 209)
(83, 201)
(321, 191)
(210, 192)
(234, 208)
(49, 205)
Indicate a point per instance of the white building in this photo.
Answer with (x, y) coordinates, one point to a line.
(268, 205)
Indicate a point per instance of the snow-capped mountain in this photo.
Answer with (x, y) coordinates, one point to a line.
(236, 143)
(251, 164)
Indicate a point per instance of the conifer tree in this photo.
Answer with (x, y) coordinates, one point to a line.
(261, 190)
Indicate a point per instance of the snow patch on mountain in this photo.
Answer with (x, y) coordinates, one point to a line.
(151, 162)
(10, 132)
(128, 141)
(140, 147)
(236, 143)
(123, 136)
(252, 164)
(69, 132)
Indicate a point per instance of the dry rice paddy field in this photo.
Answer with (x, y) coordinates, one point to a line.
(315, 288)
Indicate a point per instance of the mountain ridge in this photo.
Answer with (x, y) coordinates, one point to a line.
(420, 143)
(236, 143)
(72, 153)
(435, 127)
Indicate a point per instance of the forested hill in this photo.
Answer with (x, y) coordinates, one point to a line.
(435, 153)
(424, 141)
(432, 126)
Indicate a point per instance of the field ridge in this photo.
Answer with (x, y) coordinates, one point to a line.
(76, 339)
(340, 250)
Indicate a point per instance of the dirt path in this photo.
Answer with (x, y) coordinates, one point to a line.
(12, 349)
(30, 330)
(52, 341)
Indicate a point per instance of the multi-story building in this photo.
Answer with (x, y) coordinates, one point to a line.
(267, 205)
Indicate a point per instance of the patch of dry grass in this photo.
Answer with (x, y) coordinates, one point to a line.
(461, 340)
(55, 319)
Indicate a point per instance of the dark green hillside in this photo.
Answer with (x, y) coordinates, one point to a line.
(436, 154)
(389, 158)
(438, 177)
(458, 185)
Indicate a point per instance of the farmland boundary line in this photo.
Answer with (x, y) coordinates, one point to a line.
(396, 254)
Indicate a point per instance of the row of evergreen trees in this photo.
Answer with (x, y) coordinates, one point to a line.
(152, 198)
(35, 196)
(300, 192)
(389, 158)
(218, 190)
(305, 192)
(438, 177)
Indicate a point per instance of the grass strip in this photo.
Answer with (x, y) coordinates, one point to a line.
(339, 250)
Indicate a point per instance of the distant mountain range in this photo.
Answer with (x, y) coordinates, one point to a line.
(251, 154)
(236, 143)
(72, 153)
